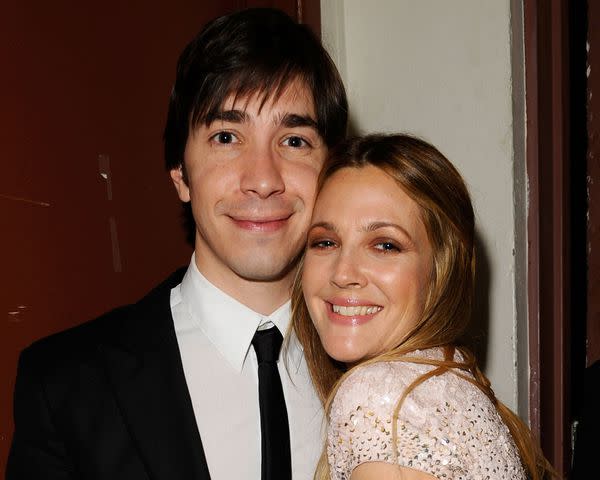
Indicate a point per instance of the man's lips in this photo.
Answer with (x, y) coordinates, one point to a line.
(270, 223)
(351, 311)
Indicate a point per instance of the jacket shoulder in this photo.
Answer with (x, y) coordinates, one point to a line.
(76, 344)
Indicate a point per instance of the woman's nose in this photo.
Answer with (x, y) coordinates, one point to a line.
(347, 272)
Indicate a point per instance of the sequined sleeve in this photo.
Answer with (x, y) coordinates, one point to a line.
(446, 427)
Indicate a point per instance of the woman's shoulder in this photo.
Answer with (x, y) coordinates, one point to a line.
(381, 384)
(373, 382)
(445, 426)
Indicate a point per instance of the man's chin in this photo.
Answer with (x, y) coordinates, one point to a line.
(265, 273)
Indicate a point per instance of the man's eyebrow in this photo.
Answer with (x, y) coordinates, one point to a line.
(292, 120)
(230, 116)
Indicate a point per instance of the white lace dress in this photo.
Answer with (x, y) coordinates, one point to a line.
(447, 427)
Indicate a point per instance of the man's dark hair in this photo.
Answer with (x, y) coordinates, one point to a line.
(253, 51)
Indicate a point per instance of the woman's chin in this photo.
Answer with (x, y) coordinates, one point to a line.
(343, 352)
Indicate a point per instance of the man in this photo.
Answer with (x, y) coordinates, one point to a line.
(169, 388)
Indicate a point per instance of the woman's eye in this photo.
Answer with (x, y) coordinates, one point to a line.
(224, 138)
(295, 142)
(322, 244)
(387, 247)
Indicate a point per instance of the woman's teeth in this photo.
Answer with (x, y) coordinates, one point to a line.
(355, 310)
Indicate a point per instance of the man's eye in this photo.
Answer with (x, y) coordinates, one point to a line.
(224, 138)
(295, 142)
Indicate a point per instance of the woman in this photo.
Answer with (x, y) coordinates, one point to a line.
(387, 279)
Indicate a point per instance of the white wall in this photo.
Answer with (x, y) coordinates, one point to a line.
(441, 69)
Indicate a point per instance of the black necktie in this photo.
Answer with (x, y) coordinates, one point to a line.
(275, 432)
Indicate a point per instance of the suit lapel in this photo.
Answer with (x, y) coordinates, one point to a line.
(145, 368)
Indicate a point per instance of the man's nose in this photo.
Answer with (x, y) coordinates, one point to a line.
(262, 175)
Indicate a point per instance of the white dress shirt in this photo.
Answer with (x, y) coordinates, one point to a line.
(214, 333)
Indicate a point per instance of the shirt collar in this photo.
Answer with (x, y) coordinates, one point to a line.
(229, 324)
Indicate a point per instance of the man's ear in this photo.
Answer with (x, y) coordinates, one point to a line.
(180, 184)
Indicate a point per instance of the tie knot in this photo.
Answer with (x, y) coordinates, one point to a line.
(267, 344)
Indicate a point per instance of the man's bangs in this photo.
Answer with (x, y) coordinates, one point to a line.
(267, 86)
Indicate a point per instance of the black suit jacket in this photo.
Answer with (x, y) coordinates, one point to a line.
(108, 400)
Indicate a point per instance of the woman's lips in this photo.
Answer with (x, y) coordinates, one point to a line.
(351, 312)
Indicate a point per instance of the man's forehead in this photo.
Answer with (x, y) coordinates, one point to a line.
(294, 98)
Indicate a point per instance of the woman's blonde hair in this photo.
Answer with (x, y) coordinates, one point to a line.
(435, 185)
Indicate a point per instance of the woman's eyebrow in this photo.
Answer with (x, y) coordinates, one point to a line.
(371, 227)
(325, 225)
